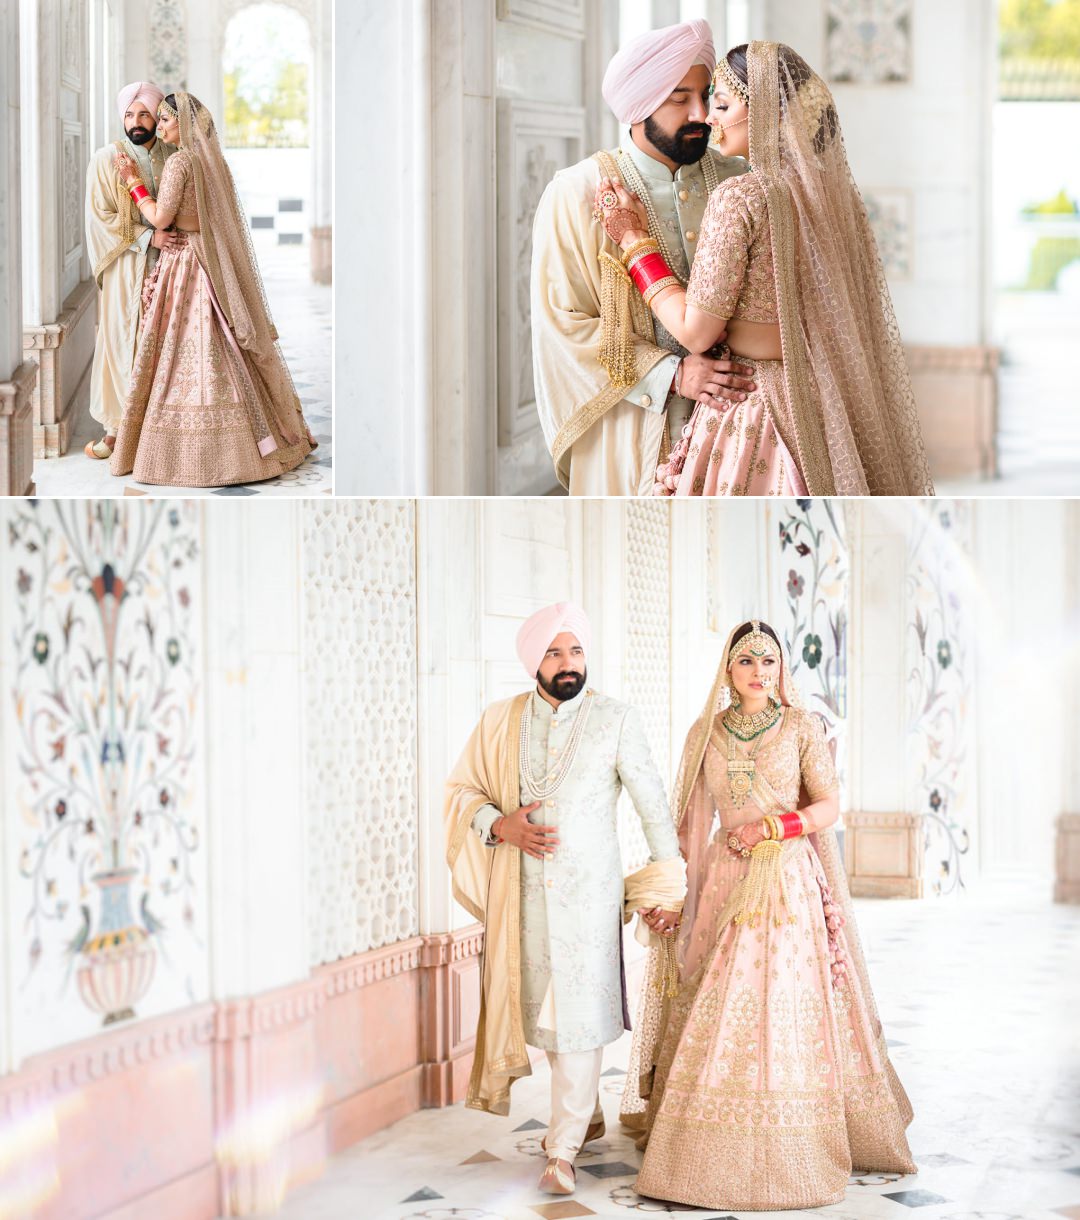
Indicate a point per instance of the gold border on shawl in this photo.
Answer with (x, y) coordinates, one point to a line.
(802, 431)
(586, 415)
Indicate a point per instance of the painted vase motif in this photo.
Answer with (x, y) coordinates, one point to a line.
(118, 962)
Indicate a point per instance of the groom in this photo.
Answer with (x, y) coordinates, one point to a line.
(534, 854)
(607, 422)
(123, 249)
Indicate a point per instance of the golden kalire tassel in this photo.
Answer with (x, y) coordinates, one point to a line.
(667, 981)
(616, 351)
(762, 893)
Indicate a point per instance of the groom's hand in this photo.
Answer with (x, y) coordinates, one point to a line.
(535, 841)
(704, 378)
(162, 238)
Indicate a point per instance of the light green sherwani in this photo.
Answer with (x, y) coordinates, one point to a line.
(571, 903)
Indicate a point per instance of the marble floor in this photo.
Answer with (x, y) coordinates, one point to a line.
(302, 312)
(980, 999)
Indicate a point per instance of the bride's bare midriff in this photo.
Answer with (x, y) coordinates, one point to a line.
(755, 340)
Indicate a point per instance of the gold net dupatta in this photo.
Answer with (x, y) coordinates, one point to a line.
(850, 418)
(801, 428)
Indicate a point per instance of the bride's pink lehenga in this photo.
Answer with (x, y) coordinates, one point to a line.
(765, 1082)
(206, 408)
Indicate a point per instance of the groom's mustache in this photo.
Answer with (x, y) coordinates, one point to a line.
(694, 129)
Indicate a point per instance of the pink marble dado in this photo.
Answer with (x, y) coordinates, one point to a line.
(223, 1108)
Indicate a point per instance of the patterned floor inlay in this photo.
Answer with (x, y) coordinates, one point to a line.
(301, 311)
(986, 993)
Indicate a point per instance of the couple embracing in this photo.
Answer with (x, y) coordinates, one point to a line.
(709, 310)
(188, 382)
(759, 1075)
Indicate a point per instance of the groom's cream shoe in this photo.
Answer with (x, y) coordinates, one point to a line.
(558, 1178)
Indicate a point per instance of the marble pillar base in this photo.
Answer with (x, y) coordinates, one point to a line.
(322, 254)
(223, 1108)
(956, 393)
(450, 1007)
(882, 855)
(17, 431)
(1067, 859)
(63, 351)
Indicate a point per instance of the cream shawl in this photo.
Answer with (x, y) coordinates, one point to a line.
(487, 883)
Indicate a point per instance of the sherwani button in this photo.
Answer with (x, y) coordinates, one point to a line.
(549, 804)
(684, 195)
(646, 400)
(691, 234)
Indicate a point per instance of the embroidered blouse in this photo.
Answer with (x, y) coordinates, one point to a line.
(732, 275)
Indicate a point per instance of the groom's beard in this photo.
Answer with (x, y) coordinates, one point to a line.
(686, 147)
(564, 685)
(139, 135)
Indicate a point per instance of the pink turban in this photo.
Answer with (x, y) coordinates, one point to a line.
(644, 73)
(536, 632)
(145, 91)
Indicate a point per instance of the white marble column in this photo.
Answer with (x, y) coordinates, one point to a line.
(258, 873)
(1067, 846)
(17, 376)
(882, 851)
(59, 295)
(322, 142)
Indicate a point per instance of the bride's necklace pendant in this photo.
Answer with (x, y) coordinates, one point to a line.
(746, 728)
(740, 779)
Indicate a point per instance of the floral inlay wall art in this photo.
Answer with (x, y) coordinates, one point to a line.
(940, 690)
(814, 570)
(102, 662)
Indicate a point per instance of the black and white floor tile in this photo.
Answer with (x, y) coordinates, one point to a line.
(982, 997)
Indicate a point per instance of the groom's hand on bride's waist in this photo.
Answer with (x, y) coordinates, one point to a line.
(162, 238)
(516, 829)
(705, 378)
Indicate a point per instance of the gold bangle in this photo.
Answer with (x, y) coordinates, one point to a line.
(777, 827)
(639, 247)
(768, 831)
(654, 290)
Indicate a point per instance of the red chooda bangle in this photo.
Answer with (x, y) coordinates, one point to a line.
(792, 824)
(139, 193)
(649, 270)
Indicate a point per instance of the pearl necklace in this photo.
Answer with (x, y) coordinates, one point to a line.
(552, 782)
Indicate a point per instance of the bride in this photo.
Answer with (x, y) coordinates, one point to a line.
(764, 1081)
(787, 269)
(211, 399)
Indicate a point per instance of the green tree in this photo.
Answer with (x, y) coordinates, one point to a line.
(1039, 29)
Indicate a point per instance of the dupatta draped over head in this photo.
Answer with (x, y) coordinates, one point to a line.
(228, 258)
(853, 426)
(695, 813)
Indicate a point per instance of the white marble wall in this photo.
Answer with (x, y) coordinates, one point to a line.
(504, 95)
(207, 672)
(919, 150)
(10, 211)
(1024, 580)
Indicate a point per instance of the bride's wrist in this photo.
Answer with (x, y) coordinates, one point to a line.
(631, 236)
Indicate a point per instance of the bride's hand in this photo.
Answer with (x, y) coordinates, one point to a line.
(622, 214)
(751, 834)
(125, 167)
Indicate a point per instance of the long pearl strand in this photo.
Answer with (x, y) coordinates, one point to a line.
(550, 784)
